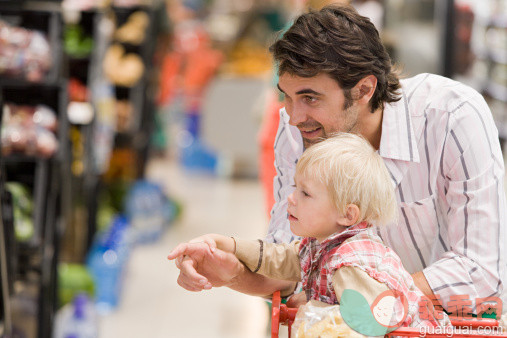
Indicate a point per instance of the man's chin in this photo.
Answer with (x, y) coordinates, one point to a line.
(310, 142)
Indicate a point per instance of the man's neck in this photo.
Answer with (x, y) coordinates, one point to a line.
(371, 126)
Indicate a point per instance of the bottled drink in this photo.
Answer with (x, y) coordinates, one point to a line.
(77, 319)
(106, 261)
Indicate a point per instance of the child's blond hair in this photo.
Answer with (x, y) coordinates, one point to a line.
(354, 174)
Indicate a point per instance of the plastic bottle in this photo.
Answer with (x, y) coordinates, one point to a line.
(106, 261)
(195, 155)
(77, 319)
(147, 209)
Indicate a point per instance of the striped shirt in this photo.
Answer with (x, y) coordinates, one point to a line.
(440, 145)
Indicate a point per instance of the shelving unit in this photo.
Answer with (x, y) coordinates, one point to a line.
(7, 268)
(82, 68)
(87, 185)
(33, 263)
(489, 78)
(460, 44)
(140, 94)
(57, 190)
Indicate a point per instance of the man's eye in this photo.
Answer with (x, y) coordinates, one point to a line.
(310, 99)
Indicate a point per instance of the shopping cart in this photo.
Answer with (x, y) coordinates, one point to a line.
(283, 315)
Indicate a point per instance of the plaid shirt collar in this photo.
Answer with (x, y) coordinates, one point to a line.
(337, 238)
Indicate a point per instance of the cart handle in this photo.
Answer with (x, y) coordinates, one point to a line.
(473, 322)
(281, 314)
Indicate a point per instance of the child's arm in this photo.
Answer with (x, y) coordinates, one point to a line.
(205, 267)
(279, 261)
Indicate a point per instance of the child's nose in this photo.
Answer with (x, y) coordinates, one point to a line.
(291, 199)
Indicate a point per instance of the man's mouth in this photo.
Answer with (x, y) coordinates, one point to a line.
(310, 133)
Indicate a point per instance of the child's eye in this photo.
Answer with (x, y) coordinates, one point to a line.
(305, 193)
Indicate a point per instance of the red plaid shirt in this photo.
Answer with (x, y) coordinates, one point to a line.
(359, 247)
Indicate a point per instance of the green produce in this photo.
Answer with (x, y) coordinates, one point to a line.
(72, 280)
(22, 205)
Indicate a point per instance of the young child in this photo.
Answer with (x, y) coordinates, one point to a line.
(343, 191)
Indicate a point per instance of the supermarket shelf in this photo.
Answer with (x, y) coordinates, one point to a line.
(72, 58)
(497, 91)
(14, 82)
(50, 180)
(41, 173)
(33, 5)
(46, 178)
(48, 21)
(495, 55)
(498, 56)
(21, 158)
(499, 20)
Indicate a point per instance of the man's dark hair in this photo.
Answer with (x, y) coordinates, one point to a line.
(338, 41)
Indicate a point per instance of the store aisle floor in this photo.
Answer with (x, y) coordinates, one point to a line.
(152, 303)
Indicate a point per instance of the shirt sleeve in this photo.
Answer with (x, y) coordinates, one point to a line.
(349, 277)
(288, 148)
(353, 278)
(473, 171)
(277, 261)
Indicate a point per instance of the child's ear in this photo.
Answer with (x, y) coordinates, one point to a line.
(351, 216)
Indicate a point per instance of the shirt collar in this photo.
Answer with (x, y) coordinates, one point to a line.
(340, 237)
(398, 140)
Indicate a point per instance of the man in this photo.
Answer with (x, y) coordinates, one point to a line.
(436, 136)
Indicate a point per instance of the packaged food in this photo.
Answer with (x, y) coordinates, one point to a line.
(317, 319)
(24, 53)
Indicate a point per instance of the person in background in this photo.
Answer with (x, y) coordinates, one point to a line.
(343, 192)
(436, 137)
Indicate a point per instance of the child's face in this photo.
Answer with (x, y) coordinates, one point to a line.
(311, 211)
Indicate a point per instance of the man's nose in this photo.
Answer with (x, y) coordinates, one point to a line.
(297, 115)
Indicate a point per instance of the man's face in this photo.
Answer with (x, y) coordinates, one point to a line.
(317, 106)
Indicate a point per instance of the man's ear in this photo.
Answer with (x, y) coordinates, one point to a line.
(364, 89)
(350, 217)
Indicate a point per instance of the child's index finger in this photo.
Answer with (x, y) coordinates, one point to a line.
(189, 249)
(178, 251)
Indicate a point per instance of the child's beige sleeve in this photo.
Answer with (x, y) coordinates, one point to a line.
(349, 277)
(277, 261)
